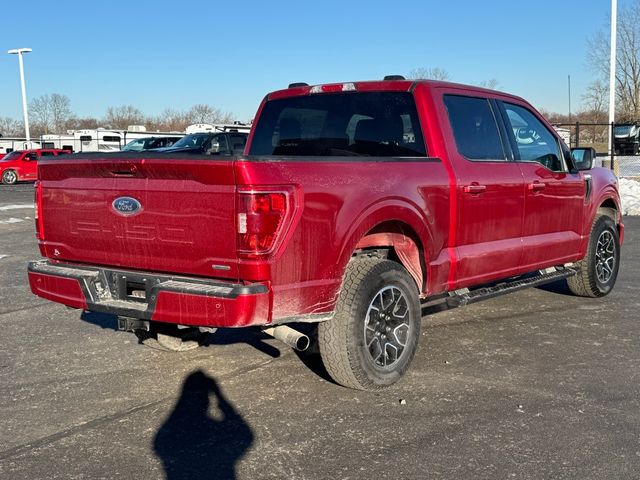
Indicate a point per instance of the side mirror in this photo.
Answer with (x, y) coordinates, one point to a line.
(583, 158)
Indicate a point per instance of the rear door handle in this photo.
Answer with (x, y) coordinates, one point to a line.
(474, 188)
(536, 186)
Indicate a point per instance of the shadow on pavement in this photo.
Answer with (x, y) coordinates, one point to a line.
(193, 444)
(102, 320)
(559, 287)
(250, 336)
(223, 336)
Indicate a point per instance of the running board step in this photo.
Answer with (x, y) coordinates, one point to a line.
(465, 296)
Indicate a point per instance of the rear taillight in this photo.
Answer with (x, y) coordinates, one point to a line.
(260, 220)
(37, 203)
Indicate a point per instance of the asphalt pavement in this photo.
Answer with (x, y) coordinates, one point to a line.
(537, 384)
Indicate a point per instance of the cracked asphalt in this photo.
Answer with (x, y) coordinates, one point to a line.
(537, 384)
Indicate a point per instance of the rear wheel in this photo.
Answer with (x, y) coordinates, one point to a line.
(599, 268)
(371, 340)
(9, 177)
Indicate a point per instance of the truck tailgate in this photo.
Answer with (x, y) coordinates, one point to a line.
(182, 219)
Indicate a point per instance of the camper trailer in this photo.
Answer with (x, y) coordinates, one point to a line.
(8, 145)
(111, 140)
(217, 127)
(100, 139)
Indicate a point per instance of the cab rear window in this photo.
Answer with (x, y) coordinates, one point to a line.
(381, 124)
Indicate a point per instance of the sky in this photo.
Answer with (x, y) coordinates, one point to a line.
(157, 55)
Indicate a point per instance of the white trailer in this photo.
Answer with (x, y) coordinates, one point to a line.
(10, 144)
(100, 139)
(110, 140)
(217, 127)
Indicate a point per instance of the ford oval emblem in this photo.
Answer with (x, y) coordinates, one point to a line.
(126, 206)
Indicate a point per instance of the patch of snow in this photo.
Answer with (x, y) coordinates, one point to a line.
(16, 207)
(3, 256)
(11, 220)
(629, 196)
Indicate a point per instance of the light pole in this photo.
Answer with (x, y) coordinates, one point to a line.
(19, 52)
(569, 82)
(612, 75)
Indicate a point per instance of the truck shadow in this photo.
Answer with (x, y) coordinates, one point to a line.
(560, 287)
(250, 336)
(223, 336)
(310, 358)
(192, 443)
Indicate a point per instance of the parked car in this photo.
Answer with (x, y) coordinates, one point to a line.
(150, 143)
(209, 143)
(626, 139)
(356, 204)
(22, 165)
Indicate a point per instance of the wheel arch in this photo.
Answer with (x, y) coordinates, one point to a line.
(609, 208)
(402, 245)
(401, 232)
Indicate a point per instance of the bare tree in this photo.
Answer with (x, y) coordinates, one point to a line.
(60, 111)
(627, 61)
(10, 127)
(596, 98)
(595, 103)
(491, 84)
(202, 113)
(40, 113)
(123, 116)
(554, 117)
(50, 113)
(87, 123)
(429, 73)
(170, 120)
(177, 120)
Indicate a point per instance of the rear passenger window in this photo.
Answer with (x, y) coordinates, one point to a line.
(46, 154)
(474, 128)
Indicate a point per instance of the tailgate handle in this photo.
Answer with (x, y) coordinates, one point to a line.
(125, 173)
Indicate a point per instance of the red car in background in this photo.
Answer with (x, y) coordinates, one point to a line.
(22, 165)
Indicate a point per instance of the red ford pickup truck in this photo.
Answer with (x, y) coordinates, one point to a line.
(352, 205)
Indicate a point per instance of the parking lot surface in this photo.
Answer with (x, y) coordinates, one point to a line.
(537, 384)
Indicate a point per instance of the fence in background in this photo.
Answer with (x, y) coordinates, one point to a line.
(624, 158)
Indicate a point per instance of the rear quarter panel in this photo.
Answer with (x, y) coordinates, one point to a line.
(338, 201)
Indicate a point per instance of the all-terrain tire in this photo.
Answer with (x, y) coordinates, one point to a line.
(9, 177)
(348, 342)
(599, 268)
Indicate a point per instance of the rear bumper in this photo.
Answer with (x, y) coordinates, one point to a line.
(157, 297)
